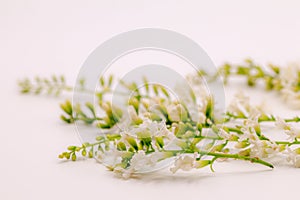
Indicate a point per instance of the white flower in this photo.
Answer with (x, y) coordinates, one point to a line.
(139, 161)
(291, 131)
(293, 134)
(260, 109)
(224, 134)
(151, 129)
(132, 113)
(173, 112)
(248, 130)
(240, 105)
(110, 158)
(252, 124)
(281, 124)
(294, 157)
(289, 78)
(155, 157)
(291, 97)
(202, 118)
(259, 148)
(184, 163)
(176, 112)
(254, 114)
(273, 149)
(289, 75)
(198, 85)
(263, 148)
(124, 173)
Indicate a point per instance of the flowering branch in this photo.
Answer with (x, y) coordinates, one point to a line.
(55, 85)
(156, 127)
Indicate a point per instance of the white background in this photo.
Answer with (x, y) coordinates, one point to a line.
(47, 37)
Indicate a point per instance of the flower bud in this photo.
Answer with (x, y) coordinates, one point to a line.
(242, 144)
(67, 155)
(297, 151)
(73, 157)
(159, 142)
(131, 141)
(121, 146)
(91, 154)
(201, 163)
(65, 119)
(83, 153)
(245, 152)
(71, 148)
(134, 102)
(67, 107)
(218, 148)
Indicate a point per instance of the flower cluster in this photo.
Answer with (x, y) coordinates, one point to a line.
(155, 129)
(286, 80)
(155, 132)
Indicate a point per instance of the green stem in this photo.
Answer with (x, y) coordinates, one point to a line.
(263, 119)
(223, 155)
(236, 130)
(287, 143)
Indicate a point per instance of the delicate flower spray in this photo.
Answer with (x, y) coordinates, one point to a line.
(157, 130)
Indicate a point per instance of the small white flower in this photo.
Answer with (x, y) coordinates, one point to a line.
(132, 113)
(291, 97)
(111, 157)
(273, 149)
(254, 114)
(202, 118)
(123, 173)
(173, 112)
(289, 75)
(293, 134)
(261, 108)
(224, 134)
(184, 163)
(176, 112)
(259, 148)
(139, 161)
(155, 157)
(281, 124)
(289, 78)
(248, 130)
(240, 105)
(294, 157)
(291, 131)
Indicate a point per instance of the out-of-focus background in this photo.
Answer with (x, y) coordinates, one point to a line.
(55, 37)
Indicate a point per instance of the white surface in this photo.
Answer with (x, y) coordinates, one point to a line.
(39, 37)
